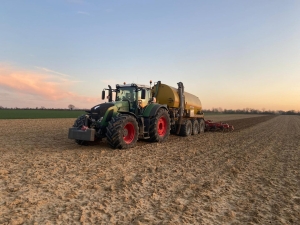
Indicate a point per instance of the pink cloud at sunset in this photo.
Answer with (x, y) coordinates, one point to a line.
(42, 86)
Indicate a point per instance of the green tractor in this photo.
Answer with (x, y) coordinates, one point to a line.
(133, 115)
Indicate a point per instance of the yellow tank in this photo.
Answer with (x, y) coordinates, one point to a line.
(168, 95)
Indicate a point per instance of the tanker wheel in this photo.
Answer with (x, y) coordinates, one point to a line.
(173, 129)
(79, 122)
(186, 128)
(159, 129)
(122, 132)
(202, 126)
(195, 127)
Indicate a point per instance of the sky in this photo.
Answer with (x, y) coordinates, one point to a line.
(232, 54)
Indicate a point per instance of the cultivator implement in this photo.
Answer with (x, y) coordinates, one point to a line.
(217, 126)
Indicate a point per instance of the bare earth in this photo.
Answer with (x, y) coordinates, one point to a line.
(249, 176)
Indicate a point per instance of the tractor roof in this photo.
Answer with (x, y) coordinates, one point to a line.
(132, 85)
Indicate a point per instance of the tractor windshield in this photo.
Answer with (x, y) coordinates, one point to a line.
(126, 94)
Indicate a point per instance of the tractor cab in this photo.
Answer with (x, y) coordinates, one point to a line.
(130, 97)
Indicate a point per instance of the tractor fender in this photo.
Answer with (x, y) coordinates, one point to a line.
(149, 112)
(110, 112)
(113, 111)
(129, 113)
(152, 109)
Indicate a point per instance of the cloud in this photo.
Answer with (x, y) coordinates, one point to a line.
(4, 94)
(51, 71)
(40, 85)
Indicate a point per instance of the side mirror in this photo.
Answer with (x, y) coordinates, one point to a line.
(103, 95)
(143, 94)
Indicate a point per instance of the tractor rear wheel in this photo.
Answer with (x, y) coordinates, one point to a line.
(122, 132)
(159, 129)
(79, 122)
(186, 128)
(195, 127)
(201, 126)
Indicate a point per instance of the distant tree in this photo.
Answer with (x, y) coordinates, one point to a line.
(254, 111)
(71, 107)
(290, 112)
(1, 107)
(229, 111)
(43, 107)
(215, 110)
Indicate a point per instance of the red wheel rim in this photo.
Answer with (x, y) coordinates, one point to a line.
(129, 133)
(162, 126)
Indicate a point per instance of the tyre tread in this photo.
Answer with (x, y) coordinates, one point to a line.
(114, 132)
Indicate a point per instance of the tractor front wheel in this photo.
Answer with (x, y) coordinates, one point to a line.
(122, 132)
(159, 129)
(79, 123)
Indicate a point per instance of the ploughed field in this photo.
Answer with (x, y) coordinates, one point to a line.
(248, 176)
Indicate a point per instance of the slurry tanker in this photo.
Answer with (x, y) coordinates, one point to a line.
(134, 111)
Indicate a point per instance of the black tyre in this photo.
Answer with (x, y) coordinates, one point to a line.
(186, 128)
(79, 122)
(122, 132)
(173, 129)
(195, 127)
(159, 129)
(201, 126)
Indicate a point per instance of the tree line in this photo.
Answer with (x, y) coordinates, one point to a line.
(213, 110)
(251, 111)
(41, 108)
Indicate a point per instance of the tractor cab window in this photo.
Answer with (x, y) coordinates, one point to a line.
(126, 94)
(143, 102)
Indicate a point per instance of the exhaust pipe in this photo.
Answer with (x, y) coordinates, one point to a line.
(109, 93)
(181, 104)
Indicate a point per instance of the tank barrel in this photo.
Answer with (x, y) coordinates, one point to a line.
(177, 98)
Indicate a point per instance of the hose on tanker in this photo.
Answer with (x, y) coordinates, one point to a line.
(181, 104)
